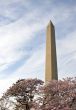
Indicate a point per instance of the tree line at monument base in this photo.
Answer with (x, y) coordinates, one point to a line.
(33, 94)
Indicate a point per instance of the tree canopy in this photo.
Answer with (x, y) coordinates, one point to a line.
(26, 94)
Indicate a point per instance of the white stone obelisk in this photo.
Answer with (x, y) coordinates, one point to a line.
(51, 58)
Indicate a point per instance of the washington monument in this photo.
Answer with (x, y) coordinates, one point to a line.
(51, 60)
